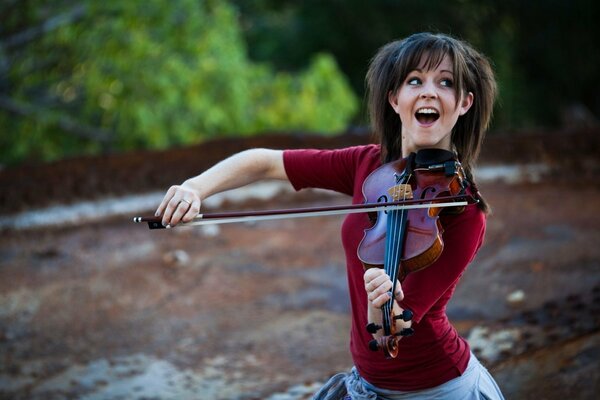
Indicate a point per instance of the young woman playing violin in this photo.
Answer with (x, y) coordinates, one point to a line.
(430, 101)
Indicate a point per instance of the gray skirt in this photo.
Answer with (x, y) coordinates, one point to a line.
(475, 383)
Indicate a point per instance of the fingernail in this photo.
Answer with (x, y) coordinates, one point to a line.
(168, 226)
(156, 214)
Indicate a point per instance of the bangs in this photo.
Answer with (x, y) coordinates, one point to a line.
(428, 59)
(426, 55)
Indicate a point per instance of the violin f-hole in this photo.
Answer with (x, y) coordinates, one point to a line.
(383, 199)
(426, 191)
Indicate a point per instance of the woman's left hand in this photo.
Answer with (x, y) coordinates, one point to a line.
(378, 286)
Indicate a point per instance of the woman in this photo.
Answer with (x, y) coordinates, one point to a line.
(428, 91)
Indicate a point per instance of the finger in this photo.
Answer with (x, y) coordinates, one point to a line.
(380, 300)
(374, 277)
(384, 288)
(171, 208)
(399, 295)
(163, 204)
(377, 281)
(372, 273)
(192, 211)
(180, 209)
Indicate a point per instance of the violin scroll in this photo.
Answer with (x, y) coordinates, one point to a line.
(389, 343)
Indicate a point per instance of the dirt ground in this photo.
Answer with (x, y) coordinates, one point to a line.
(112, 310)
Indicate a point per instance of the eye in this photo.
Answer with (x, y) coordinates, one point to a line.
(447, 82)
(413, 81)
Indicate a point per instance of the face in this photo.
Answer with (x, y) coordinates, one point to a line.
(426, 103)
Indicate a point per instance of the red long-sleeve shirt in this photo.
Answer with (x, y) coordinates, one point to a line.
(435, 353)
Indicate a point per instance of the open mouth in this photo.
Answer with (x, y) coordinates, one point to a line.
(427, 116)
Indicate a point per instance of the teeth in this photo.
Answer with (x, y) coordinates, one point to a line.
(426, 111)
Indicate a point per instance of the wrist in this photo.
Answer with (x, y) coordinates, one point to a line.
(190, 185)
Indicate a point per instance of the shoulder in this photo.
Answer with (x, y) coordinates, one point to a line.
(335, 169)
(365, 155)
(357, 155)
(369, 150)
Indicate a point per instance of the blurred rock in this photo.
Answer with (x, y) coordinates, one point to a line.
(491, 346)
(516, 298)
(177, 258)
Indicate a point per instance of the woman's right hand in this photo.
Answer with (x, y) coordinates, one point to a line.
(180, 203)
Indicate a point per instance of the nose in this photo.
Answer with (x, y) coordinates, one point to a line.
(428, 91)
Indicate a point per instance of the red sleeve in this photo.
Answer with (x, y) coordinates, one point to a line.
(325, 169)
(430, 289)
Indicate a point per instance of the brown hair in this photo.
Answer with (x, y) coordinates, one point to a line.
(472, 73)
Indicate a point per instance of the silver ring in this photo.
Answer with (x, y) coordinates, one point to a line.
(185, 201)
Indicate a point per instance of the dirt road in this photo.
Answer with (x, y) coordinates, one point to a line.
(113, 310)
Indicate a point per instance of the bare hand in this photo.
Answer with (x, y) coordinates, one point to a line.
(179, 204)
(378, 286)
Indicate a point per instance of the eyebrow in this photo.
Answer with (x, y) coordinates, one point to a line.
(443, 70)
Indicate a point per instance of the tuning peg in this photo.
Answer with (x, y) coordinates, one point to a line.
(406, 332)
(406, 315)
(373, 328)
(374, 345)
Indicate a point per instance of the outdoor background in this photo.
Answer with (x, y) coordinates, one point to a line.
(105, 104)
(86, 77)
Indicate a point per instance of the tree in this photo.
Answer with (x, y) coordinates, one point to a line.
(544, 51)
(149, 73)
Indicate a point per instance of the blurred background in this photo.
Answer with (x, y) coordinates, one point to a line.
(90, 77)
(105, 104)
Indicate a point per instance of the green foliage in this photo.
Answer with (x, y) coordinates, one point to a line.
(129, 74)
(313, 100)
(544, 51)
(149, 73)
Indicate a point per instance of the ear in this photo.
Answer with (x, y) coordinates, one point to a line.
(466, 103)
(393, 100)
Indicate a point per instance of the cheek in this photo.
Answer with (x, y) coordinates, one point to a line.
(451, 107)
(405, 117)
(404, 108)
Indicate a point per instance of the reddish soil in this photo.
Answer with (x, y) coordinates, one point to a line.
(113, 310)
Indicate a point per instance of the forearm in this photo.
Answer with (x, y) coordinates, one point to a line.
(183, 202)
(238, 170)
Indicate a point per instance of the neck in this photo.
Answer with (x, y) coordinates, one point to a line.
(406, 150)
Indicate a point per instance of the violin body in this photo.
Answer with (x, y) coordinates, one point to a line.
(423, 242)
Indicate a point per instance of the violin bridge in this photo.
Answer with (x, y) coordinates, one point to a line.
(401, 192)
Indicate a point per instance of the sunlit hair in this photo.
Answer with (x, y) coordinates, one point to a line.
(472, 73)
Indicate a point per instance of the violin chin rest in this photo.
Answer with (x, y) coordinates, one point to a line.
(427, 157)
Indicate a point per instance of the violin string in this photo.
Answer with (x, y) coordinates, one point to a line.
(393, 249)
(390, 259)
(390, 262)
(397, 224)
(387, 267)
(400, 246)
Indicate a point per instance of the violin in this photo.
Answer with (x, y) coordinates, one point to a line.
(403, 241)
